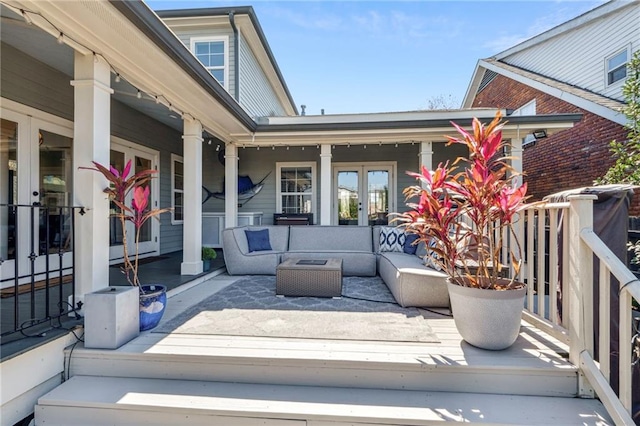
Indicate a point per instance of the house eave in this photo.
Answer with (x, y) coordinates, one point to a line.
(252, 30)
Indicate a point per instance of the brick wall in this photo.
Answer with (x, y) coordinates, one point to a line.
(569, 159)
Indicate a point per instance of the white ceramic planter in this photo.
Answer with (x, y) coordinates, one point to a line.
(487, 319)
(111, 317)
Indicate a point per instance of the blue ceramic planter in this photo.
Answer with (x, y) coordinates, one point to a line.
(153, 301)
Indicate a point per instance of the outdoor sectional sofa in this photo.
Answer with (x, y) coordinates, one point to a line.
(409, 280)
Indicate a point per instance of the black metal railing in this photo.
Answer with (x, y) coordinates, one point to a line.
(37, 285)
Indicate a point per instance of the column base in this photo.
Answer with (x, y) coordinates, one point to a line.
(191, 268)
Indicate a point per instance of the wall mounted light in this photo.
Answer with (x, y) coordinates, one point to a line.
(539, 134)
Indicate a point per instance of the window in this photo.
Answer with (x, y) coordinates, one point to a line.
(527, 109)
(177, 189)
(212, 52)
(616, 66)
(296, 191)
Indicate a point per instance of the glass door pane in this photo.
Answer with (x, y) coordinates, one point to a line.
(378, 197)
(141, 164)
(56, 186)
(349, 205)
(8, 188)
(116, 160)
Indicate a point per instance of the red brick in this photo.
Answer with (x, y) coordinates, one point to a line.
(569, 159)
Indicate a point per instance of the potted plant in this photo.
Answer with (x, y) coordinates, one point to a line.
(208, 254)
(122, 183)
(464, 212)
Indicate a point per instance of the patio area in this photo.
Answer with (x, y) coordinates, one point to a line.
(277, 380)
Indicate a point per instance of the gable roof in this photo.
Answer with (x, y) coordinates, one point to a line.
(587, 100)
(254, 27)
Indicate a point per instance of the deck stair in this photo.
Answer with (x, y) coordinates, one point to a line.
(218, 380)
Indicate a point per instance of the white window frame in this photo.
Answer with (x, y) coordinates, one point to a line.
(176, 158)
(523, 110)
(314, 183)
(607, 71)
(225, 40)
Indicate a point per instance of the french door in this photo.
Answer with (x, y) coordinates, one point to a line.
(364, 193)
(36, 170)
(141, 159)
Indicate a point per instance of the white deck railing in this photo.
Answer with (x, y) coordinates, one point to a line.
(559, 248)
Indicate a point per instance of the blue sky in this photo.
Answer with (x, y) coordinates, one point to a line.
(375, 56)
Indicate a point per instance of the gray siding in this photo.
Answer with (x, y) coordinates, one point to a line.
(578, 56)
(186, 35)
(258, 163)
(32, 83)
(257, 96)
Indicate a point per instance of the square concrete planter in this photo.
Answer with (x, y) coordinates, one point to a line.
(111, 317)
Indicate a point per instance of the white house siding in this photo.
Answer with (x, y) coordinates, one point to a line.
(578, 56)
(257, 96)
(185, 37)
(258, 163)
(30, 82)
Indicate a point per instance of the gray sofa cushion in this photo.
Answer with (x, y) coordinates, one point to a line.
(342, 238)
(238, 259)
(354, 263)
(412, 283)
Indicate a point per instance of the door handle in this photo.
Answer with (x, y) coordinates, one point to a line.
(36, 204)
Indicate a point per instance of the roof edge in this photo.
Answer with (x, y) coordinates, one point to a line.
(148, 22)
(578, 21)
(243, 10)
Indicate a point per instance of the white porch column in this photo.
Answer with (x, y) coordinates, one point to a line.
(426, 155)
(325, 184)
(91, 142)
(192, 225)
(230, 186)
(516, 161)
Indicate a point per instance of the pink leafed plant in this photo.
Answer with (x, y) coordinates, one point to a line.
(467, 210)
(120, 185)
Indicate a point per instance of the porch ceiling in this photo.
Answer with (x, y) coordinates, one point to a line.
(101, 27)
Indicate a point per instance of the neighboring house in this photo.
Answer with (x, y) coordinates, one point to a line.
(576, 67)
(109, 81)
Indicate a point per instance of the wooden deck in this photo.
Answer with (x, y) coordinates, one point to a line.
(257, 380)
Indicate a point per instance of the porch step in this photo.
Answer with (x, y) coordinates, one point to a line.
(520, 370)
(99, 401)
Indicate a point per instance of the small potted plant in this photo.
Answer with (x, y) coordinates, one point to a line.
(208, 254)
(121, 183)
(464, 212)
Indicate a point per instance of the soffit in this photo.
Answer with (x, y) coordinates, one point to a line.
(102, 29)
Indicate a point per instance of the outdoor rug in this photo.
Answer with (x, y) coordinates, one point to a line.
(250, 307)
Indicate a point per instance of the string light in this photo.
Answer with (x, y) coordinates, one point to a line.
(287, 147)
(218, 148)
(365, 147)
(303, 148)
(273, 147)
(26, 17)
(348, 145)
(61, 38)
(396, 144)
(257, 148)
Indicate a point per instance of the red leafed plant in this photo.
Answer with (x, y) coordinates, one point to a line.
(466, 211)
(120, 185)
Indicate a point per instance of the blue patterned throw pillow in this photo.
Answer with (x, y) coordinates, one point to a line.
(391, 239)
(409, 246)
(258, 240)
(431, 258)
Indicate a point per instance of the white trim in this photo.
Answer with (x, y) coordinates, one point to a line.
(522, 110)
(176, 158)
(225, 41)
(608, 85)
(19, 108)
(587, 17)
(314, 184)
(593, 107)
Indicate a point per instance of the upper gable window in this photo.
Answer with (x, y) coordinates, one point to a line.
(213, 53)
(617, 66)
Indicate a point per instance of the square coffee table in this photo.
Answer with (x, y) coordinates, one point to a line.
(309, 277)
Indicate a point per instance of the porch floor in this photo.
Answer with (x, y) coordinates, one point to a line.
(530, 383)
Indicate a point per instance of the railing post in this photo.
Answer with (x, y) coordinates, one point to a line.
(580, 287)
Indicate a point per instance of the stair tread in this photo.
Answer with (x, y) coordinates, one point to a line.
(319, 403)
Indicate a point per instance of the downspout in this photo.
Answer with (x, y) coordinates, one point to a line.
(236, 56)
